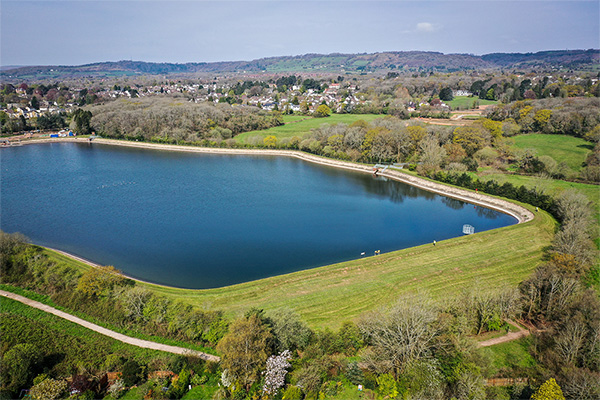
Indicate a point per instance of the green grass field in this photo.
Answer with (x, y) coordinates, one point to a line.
(465, 102)
(24, 324)
(329, 295)
(510, 356)
(571, 150)
(303, 127)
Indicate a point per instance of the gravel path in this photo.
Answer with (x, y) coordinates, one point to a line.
(107, 332)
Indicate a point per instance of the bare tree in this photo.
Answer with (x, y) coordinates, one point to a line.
(402, 334)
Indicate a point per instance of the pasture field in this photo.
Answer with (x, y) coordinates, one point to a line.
(571, 150)
(329, 295)
(304, 126)
(466, 102)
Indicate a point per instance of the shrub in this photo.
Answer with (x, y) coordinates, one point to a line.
(292, 393)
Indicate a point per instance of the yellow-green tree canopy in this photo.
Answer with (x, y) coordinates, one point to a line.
(244, 350)
(548, 391)
(97, 281)
(471, 138)
(322, 111)
(270, 141)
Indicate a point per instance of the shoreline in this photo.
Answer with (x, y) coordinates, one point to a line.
(521, 214)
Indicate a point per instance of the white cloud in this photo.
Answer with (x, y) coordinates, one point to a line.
(426, 27)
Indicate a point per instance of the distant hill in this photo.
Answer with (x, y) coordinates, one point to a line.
(376, 62)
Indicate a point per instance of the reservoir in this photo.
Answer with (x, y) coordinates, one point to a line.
(197, 220)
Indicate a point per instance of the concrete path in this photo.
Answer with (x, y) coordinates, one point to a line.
(107, 332)
(506, 338)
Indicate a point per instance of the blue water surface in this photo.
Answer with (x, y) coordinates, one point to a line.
(201, 221)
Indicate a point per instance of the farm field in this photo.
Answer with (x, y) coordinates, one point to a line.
(304, 126)
(571, 150)
(466, 102)
(329, 295)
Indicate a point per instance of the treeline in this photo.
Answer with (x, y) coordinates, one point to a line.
(430, 149)
(105, 294)
(577, 117)
(174, 120)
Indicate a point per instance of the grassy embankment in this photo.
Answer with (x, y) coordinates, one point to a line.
(330, 295)
(296, 126)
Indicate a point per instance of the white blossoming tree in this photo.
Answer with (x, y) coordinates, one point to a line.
(276, 370)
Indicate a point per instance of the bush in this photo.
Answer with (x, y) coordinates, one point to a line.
(292, 393)
(132, 373)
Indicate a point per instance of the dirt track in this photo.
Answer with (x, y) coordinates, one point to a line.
(107, 332)
(506, 338)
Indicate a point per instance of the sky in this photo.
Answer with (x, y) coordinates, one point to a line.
(61, 32)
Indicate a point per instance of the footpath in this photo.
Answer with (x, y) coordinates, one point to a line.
(506, 338)
(107, 332)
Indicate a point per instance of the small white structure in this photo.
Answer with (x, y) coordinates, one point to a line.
(468, 229)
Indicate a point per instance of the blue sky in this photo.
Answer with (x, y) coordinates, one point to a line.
(62, 32)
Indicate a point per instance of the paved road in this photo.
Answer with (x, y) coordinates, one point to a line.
(107, 332)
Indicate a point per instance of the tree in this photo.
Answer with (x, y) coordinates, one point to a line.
(48, 389)
(471, 138)
(276, 371)
(97, 281)
(432, 154)
(132, 373)
(548, 391)
(18, 365)
(290, 332)
(244, 350)
(446, 94)
(270, 141)
(82, 119)
(400, 335)
(322, 111)
(35, 103)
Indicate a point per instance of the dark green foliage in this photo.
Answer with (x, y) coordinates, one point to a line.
(446, 94)
(19, 365)
(354, 373)
(52, 121)
(82, 119)
(132, 373)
